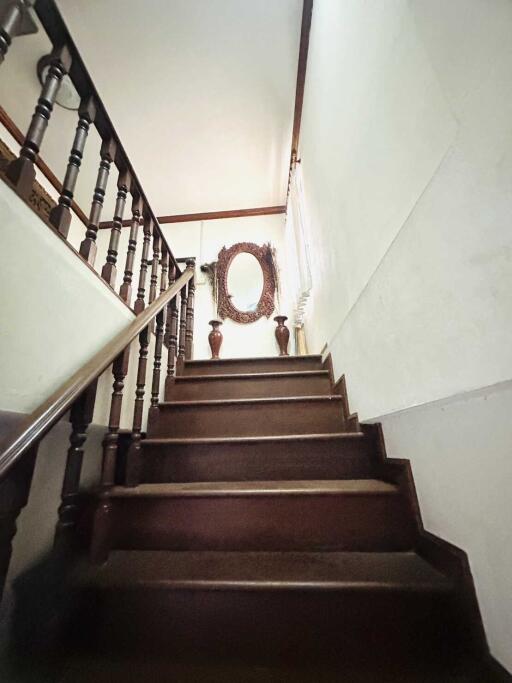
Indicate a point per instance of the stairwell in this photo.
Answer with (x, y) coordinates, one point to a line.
(268, 539)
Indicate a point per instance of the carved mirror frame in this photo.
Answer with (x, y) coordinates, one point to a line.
(265, 307)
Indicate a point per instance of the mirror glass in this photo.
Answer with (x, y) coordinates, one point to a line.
(245, 282)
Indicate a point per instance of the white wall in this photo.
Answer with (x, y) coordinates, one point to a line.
(204, 241)
(56, 313)
(406, 154)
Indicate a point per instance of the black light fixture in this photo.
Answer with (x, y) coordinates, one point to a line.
(67, 96)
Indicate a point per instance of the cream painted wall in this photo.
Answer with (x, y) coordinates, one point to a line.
(255, 339)
(56, 313)
(407, 163)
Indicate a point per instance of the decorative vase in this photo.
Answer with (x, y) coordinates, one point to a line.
(282, 334)
(215, 338)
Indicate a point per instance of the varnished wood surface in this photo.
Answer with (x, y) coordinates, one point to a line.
(46, 415)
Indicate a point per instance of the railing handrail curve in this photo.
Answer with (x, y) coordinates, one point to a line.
(33, 428)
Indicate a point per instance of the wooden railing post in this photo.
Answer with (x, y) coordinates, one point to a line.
(88, 248)
(154, 267)
(80, 417)
(171, 336)
(15, 20)
(60, 215)
(141, 290)
(14, 492)
(110, 442)
(126, 288)
(183, 330)
(21, 171)
(189, 332)
(157, 363)
(133, 459)
(109, 270)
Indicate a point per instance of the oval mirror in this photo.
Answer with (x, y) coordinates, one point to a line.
(245, 282)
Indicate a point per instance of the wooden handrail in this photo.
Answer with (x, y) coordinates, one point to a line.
(37, 424)
(57, 31)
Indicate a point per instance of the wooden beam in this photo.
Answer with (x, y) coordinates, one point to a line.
(211, 215)
(16, 133)
(307, 12)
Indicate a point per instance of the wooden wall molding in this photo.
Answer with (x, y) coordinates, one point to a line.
(210, 215)
(16, 133)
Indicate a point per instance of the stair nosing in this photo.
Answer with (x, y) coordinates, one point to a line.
(238, 401)
(252, 439)
(253, 375)
(254, 489)
(253, 359)
(292, 579)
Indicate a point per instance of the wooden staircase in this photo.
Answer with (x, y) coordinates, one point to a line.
(268, 539)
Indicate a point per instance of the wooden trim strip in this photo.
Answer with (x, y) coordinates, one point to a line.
(210, 215)
(16, 133)
(38, 423)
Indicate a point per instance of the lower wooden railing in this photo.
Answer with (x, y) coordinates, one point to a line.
(161, 324)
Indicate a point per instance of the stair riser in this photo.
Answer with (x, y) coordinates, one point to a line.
(264, 625)
(260, 461)
(233, 366)
(258, 387)
(248, 419)
(261, 522)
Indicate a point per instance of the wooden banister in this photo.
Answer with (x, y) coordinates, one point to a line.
(38, 423)
(57, 31)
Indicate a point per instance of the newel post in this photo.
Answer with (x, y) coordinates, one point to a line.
(60, 215)
(21, 171)
(15, 20)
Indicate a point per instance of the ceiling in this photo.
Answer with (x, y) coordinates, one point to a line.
(201, 93)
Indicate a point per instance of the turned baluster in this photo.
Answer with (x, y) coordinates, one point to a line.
(189, 332)
(133, 459)
(109, 270)
(157, 363)
(60, 215)
(21, 171)
(15, 21)
(14, 492)
(110, 442)
(165, 269)
(126, 288)
(88, 248)
(154, 267)
(148, 231)
(183, 329)
(80, 417)
(172, 335)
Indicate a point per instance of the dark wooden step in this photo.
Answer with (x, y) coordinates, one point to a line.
(248, 417)
(363, 515)
(251, 385)
(324, 456)
(292, 606)
(248, 365)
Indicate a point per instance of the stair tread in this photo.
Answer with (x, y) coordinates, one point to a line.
(253, 375)
(266, 570)
(252, 439)
(237, 488)
(238, 401)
